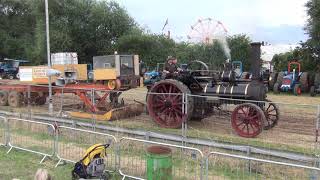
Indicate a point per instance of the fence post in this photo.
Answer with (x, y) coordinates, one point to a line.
(28, 100)
(314, 175)
(317, 126)
(55, 144)
(184, 116)
(207, 167)
(61, 102)
(117, 154)
(93, 114)
(7, 132)
(147, 136)
(249, 161)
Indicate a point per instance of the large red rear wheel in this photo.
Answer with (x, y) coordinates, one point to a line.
(247, 120)
(165, 103)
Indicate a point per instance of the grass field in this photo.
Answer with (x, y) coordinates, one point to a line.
(23, 165)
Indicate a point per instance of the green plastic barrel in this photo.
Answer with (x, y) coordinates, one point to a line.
(159, 163)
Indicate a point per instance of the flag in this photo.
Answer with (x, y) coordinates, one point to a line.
(165, 24)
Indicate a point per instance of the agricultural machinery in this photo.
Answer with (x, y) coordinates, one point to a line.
(154, 76)
(292, 80)
(114, 72)
(198, 84)
(9, 68)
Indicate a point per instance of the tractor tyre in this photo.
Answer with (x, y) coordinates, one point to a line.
(297, 89)
(3, 98)
(312, 91)
(272, 79)
(304, 81)
(276, 88)
(165, 101)
(15, 99)
(317, 80)
(280, 77)
(11, 77)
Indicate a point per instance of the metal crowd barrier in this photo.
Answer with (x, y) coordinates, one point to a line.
(72, 143)
(128, 155)
(3, 131)
(187, 162)
(225, 166)
(31, 136)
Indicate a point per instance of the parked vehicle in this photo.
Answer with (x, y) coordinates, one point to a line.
(292, 80)
(9, 68)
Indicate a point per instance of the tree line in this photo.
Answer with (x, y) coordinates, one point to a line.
(97, 27)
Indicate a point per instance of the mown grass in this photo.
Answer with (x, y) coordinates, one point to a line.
(23, 165)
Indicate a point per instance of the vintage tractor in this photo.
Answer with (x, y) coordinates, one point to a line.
(154, 76)
(151, 77)
(198, 83)
(9, 68)
(295, 80)
(117, 71)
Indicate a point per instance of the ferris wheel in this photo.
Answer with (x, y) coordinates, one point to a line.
(206, 31)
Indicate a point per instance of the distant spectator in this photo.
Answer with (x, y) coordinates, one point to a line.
(42, 174)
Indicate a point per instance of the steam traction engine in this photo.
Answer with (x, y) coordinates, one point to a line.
(165, 100)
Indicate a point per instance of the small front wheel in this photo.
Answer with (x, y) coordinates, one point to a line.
(297, 89)
(247, 120)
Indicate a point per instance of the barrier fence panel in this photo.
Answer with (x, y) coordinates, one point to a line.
(187, 162)
(73, 143)
(289, 127)
(3, 131)
(230, 166)
(32, 136)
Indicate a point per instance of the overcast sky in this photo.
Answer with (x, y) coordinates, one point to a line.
(274, 21)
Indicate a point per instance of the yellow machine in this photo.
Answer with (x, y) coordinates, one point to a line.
(117, 71)
(92, 164)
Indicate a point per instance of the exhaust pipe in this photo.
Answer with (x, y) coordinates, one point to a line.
(255, 54)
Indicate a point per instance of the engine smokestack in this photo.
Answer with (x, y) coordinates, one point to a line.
(255, 54)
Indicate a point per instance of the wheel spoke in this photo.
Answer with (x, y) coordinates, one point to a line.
(170, 88)
(242, 122)
(157, 105)
(253, 117)
(254, 123)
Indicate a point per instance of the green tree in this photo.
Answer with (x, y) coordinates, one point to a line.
(152, 49)
(313, 25)
(88, 27)
(240, 49)
(16, 22)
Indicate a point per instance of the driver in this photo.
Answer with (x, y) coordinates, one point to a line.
(171, 65)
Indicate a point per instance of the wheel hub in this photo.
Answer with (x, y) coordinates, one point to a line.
(167, 104)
